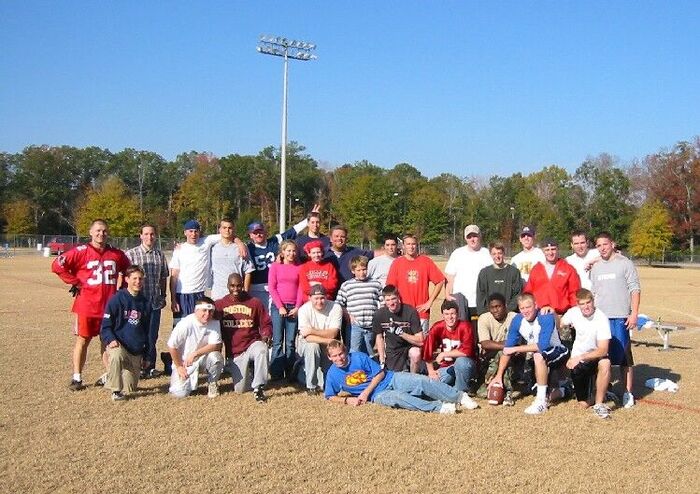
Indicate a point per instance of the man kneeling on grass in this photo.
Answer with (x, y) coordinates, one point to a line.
(195, 345)
(354, 379)
(124, 333)
(589, 355)
(531, 331)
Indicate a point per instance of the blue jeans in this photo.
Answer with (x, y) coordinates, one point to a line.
(459, 373)
(408, 390)
(153, 338)
(284, 329)
(361, 340)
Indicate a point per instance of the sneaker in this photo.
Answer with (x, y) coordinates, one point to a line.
(152, 373)
(448, 408)
(537, 408)
(508, 400)
(76, 385)
(101, 381)
(118, 396)
(601, 411)
(259, 395)
(312, 391)
(627, 400)
(213, 390)
(610, 396)
(468, 403)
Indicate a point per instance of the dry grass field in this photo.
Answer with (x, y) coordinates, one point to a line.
(54, 440)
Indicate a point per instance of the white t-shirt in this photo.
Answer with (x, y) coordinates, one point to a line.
(464, 264)
(331, 317)
(189, 335)
(589, 330)
(225, 260)
(525, 261)
(579, 262)
(378, 268)
(193, 261)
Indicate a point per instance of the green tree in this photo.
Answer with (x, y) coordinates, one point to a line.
(674, 179)
(607, 192)
(650, 233)
(19, 217)
(112, 202)
(201, 194)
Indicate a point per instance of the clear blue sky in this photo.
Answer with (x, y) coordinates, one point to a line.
(471, 88)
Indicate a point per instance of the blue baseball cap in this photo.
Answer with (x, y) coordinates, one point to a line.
(256, 226)
(192, 225)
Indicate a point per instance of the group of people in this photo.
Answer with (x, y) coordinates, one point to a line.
(354, 324)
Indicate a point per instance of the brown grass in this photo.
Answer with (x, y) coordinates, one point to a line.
(55, 440)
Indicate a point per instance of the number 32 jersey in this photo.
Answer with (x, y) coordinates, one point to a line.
(95, 272)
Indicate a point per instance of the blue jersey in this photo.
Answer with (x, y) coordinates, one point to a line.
(355, 378)
(263, 257)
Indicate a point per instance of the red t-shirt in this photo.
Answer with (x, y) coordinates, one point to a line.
(94, 272)
(322, 272)
(412, 278)
(440, 339)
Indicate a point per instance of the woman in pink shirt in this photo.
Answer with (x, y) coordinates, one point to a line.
(283, 283)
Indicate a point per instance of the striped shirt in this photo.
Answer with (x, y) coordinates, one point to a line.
(155, 266)
(361, 298)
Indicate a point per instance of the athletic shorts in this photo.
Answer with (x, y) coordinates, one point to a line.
(582, 377)
(620, 352)
(87, 327)
(556, 356)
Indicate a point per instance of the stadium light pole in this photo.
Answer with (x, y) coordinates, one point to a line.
(297, 50)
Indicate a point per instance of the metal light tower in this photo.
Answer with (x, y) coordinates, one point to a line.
(297, 50)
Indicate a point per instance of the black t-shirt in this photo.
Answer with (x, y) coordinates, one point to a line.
(396, 347)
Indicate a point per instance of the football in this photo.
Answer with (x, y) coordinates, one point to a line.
(495, 395)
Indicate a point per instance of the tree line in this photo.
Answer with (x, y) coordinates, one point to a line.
(59, 189)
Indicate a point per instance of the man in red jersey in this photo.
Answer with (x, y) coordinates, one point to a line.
(449, 352)
(93, 270)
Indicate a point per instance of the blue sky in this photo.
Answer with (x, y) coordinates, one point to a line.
(470, 88)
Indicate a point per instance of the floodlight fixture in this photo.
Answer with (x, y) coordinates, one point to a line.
(297, 50)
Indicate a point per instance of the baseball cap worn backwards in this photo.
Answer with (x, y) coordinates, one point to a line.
(317, 290)
(192, 225)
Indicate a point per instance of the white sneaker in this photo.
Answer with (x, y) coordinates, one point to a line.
(537, 407)
(468, 403)
(213, 390)
(448, 409)
(627, 400)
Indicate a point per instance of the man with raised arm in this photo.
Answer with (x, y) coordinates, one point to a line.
(263, 251)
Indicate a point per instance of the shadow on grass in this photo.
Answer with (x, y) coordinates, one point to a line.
(652, 344)
(642, 372)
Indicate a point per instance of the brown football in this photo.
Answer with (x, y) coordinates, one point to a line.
(495, 395)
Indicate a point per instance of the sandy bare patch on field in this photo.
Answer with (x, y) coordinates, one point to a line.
(55, 440)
